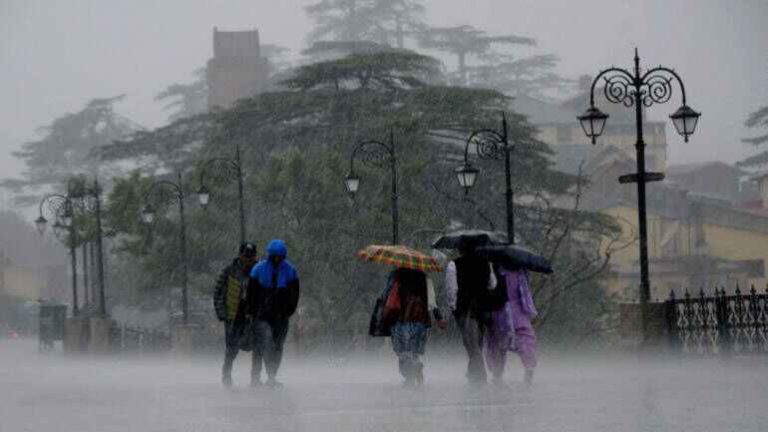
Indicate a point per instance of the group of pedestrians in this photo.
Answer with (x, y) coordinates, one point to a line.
(491, 304)
(493, 308)
(255, 301)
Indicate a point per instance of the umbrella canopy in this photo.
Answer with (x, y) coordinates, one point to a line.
(515, 257)
(469, 238)
(400, 256)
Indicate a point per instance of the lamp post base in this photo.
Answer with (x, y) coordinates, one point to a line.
(181, 339)
(100, 341)
(77, 334)
(649, 337)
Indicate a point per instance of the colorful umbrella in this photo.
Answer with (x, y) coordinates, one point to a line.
(400, 256)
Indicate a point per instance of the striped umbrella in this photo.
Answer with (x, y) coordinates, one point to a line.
(399, 256)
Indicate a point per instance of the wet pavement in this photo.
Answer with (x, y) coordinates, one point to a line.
(50, 392)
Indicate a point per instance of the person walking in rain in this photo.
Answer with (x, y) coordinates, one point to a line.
(411, 299)
(273, 295)
(511, 328)
(228, 301)
(468, 279)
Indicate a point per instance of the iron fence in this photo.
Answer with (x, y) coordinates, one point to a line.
(126, 339)
(720, 323)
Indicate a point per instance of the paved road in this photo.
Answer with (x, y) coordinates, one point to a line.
(53, 393)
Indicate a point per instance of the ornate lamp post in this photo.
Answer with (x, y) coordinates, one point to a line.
(640, 90)
(491, 144)
(235, 165)
(61, 208)
(378, 154)
(148, 216)
(66, 205)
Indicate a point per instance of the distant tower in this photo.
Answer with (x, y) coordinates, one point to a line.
(237, 69)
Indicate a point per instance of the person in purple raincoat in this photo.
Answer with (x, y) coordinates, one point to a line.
(510, 328)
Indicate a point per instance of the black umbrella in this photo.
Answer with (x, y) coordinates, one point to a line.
(469, 238)
(515, 257)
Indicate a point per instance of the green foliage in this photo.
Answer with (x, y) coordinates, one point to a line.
(389, 70)
(186, 100)
(464, 41)
(67, 146)
(383, 21)
(757, 119)
(531, 76)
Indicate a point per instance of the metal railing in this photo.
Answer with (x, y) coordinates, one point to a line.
(720, 323)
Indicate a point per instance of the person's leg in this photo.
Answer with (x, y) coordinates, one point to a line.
(472, 337)
(400, 347)
(231, 340)
(419, 349)
(257, 355)
(495, 353)
(262, 341)
(273, 355)
(525, 338)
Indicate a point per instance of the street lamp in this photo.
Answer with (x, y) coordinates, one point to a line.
(378, 154)
(40, 224)
(639, 90)
(593, 122)
(491, 144)
(467, 175)
(60, 206)
(148, 216)
(352, 183)
(204, 195)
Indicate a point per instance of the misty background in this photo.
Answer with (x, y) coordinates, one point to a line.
(57, 55)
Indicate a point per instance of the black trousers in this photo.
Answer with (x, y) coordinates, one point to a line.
(269, 338)
(473, 328)
(233, 331)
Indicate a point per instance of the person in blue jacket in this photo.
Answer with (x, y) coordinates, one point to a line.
(273, 294)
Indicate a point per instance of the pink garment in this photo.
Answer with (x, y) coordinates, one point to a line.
(511, 328)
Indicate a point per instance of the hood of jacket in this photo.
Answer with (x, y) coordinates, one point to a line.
(277, 247)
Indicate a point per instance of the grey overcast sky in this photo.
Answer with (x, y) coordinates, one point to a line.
(55, 55)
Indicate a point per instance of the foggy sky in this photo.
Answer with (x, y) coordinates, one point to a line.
(55, 55)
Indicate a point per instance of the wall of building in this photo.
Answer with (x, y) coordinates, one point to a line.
(237, 69)
(622, 137)
(22, 283)
(669, 239)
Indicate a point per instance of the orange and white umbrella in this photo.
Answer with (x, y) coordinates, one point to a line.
(400, 256)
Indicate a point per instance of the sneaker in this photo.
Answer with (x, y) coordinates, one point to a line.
(256, 382)
(274, 384)
(528, 377)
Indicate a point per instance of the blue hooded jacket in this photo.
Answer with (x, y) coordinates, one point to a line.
(274, 293)
(263, 271)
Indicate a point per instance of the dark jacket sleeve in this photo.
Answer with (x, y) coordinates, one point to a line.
(252, 298)
(292, 297)
(219, 295)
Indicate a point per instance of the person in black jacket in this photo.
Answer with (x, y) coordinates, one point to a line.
(273, 294)
(469, 279)
(228, 301)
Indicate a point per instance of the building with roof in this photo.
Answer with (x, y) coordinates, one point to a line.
(695, 241)
(559, 128)
(707, 226)
(237, 69)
